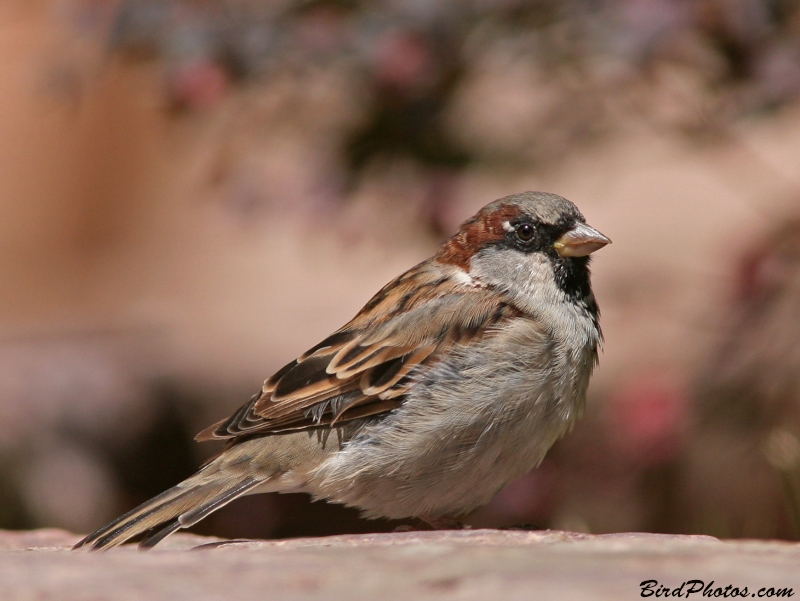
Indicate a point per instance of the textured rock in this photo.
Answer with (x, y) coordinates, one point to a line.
(469, 564)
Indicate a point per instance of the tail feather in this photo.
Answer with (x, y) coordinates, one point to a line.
(101, 537)
(179, 507)
(151, 540)
(191, 517)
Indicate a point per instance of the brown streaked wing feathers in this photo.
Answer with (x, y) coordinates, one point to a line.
(363, 368)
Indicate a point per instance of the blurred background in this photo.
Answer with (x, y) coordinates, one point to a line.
(192, 192)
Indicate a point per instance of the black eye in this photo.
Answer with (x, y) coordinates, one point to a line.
(525, 232)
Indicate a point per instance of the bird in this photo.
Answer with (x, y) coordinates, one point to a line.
(453, 380)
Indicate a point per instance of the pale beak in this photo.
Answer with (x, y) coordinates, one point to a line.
(580, 241)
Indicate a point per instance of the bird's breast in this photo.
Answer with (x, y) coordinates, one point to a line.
(473, 421)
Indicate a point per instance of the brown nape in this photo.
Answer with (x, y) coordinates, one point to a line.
(474, 234)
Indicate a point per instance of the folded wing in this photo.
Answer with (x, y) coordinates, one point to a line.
(367, 366)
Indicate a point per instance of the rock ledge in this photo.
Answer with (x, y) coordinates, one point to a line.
(466, 564)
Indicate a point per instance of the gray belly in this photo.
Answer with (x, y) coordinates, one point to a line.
(474, 422)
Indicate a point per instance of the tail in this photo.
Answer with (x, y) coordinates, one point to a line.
(179, 507)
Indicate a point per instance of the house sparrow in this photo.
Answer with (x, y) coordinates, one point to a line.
(453, 380)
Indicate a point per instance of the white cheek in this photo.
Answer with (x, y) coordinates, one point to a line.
(525, 276)
(529, 280)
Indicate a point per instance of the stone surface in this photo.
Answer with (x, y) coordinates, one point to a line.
(469, 564)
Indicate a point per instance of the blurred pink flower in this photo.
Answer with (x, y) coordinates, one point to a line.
(199, 84)
(405, 61)
(647, 417)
